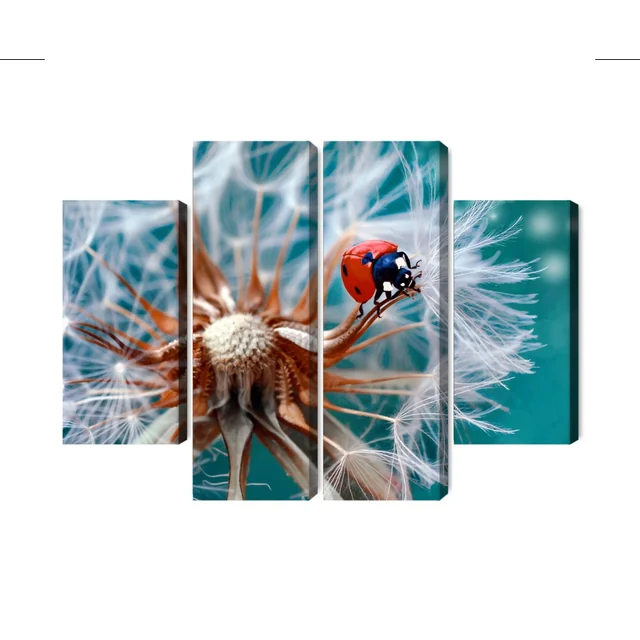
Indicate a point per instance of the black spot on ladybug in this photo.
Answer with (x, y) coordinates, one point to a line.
(358, 291)
(344, 270)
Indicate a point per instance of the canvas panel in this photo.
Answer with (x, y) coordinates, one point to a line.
(516, 322)
(386, 320)
(255, 320)
(124, 322)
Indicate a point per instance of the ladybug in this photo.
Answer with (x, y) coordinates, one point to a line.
(373, 267)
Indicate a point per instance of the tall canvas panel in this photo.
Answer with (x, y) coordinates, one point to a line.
(124, 322)
(255, 320)
(386, 320)
(516, 322)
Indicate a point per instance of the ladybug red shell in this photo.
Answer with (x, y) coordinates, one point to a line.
(357, 277)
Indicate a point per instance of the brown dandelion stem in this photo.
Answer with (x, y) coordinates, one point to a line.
(382, 336)
(174, 435)
(132, 317)
(237, 259)
(99, 341)
(100, 330)
(372, 315)
(138, 343)
(333, 448)
(345, 325)
(372, 392)
(356, 412)
(255, 290)
(164, 322)
(336, 349)
(300, 311)
(209, 283)
(307, 308)
(273, 301)
(333, 380)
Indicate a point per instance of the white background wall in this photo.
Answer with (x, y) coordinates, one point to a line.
(532, 541)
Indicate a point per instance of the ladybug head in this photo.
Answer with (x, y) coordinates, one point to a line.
(404, 279)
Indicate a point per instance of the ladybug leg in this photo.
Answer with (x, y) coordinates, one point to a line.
(361, 312)
(388, 296)
(379, 291)
(413, 282)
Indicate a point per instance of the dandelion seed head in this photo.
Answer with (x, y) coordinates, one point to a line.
(240, 341)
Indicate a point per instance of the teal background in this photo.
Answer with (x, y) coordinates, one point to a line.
(538, 403)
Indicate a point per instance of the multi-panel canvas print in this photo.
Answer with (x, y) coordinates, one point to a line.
(207, 322)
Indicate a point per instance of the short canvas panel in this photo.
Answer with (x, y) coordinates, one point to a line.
(385, 376)
(124, 322)
(255, 320)
(516, 322)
